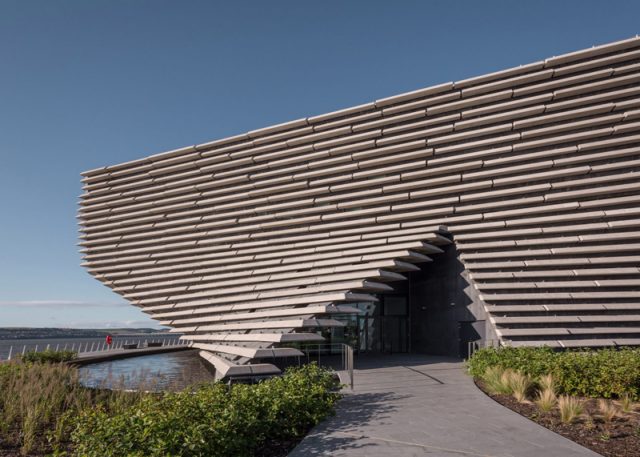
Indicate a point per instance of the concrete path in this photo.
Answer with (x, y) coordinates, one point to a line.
(413, 405)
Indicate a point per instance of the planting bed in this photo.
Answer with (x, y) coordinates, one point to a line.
(618, 438)
(45, 410)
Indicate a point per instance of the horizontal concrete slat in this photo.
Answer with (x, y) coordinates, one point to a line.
(533, 169)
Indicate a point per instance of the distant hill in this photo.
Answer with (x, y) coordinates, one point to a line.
(12, 333)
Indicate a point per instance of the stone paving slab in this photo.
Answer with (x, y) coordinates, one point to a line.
(413, 405)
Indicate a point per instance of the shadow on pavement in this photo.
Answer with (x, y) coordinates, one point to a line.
(353, 411)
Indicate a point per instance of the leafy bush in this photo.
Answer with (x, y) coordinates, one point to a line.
(535, 362)
(44, 409)
(604, 373)
(214, 420)
(48, 356)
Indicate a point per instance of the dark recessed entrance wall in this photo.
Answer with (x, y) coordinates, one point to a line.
(446, 311)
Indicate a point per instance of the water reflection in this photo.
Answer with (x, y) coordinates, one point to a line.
(170, 371)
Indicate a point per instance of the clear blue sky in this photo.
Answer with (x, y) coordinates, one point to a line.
(87, 83)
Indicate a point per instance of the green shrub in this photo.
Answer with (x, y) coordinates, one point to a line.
(532, 361)
(44, 409)
(214, 420)
(48, 356)
(608, 373)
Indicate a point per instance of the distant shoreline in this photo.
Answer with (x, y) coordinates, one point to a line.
(19, 333)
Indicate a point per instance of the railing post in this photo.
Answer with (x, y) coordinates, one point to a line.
(24, 349)
(351, 365)
(10, 352)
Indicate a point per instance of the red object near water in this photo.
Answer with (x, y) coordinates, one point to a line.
(109, 340)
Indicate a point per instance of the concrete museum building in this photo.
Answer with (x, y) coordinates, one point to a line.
(504, 207)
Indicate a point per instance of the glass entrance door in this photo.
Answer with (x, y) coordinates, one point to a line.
(385, 326)
(394, 334)
(394, 323)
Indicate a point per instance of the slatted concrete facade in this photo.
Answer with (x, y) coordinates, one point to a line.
(254, 241)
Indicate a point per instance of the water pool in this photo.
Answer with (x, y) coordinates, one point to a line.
(169, 371)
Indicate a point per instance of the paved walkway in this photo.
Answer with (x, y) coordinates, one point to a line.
(413, 405)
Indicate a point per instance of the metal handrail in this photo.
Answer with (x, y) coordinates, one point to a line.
(84, 347)
(346, 356)
(473, 346)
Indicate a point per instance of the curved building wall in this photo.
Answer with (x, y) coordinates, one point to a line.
(245, 242)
